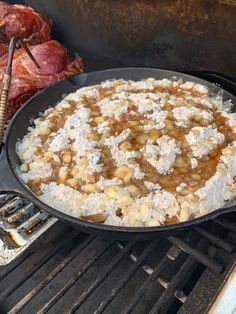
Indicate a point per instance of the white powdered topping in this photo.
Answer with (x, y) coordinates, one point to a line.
(123, 158)
(120, 95)
(162, 155)
(200, 88)
(148, 84)
(59, 196)
(94, 157)
(63, 105)
(152, 186)
(159, 118)
(162, 83)
(187, 85)
(59, 142)
(184, 114)
(102, 127)
(88, 92)
(113, 108)
(62, 170)
(144, 103)
(56, 158)
(48, 111)
(194, 163)
(27, 147)
(205, 101)
(42, 124)
(138, 173)
(75, 127)
(208, 103)
(151, 210)
(231, 118)
(196, 87)
(38, 169)
(181, 187)
(104, 182)
(82, 146)
(203, 139)
(95, 203)
(216, 190)
(119, 156)
(109, 84)
(150, 107)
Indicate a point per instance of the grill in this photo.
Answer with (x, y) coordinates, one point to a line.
(55, 269)
(69, 272)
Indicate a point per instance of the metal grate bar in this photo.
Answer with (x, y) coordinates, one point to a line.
(219, 242)
(176, 282)
(198, 255)
(208, 286)
(30, 224)
(4, 198)
(11, 283)
(174, 252)
(226, 223)
(101, 278)
(154, 275)
(138, 261)
(180, 295)
(77, 249)
(13, 205)
(4, 271)
(163, 282)
(70, 283)
(22, 214)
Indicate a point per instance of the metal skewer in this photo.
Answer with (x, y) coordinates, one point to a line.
(7, 79)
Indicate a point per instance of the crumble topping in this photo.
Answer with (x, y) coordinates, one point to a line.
(133, 153)
(162, 153)
(202, 140)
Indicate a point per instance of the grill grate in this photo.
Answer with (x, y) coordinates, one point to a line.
(66, 271)
(21, 223)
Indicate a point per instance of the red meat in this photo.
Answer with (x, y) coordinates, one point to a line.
(27, 79)
(3, 49)
(23, 21)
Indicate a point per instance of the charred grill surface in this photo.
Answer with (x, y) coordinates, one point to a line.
(66, 271)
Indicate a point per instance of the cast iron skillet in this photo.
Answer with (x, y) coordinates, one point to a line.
(9, 161)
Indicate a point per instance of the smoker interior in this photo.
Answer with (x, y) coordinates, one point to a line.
(171, 34)
(65, 271)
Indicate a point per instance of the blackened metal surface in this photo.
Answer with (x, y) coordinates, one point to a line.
(69, 272)
(173, 34)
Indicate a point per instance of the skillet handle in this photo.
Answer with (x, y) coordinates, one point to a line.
(8, 182)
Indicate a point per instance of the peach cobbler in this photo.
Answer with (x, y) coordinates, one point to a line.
(133, 153)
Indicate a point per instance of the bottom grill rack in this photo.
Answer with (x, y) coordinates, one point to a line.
(21, 223)
(66, 271)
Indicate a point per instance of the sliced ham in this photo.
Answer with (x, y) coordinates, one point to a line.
(27, 79)
(23, 21)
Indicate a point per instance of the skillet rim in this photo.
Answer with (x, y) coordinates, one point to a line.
(26, 192)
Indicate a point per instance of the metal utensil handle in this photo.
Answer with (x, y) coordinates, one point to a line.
(7, 79)
(3, 104)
